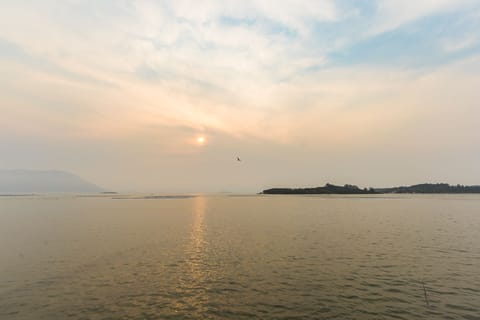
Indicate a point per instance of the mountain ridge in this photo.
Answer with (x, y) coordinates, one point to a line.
(44, 181)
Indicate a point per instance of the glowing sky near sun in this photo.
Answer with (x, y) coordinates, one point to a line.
(380, 92)
(201, 140)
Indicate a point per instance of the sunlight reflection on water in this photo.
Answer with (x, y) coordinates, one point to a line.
(219, 257)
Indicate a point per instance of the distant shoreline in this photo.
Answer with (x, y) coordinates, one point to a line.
(425, 188)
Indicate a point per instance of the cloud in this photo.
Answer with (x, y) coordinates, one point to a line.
(116, 91)
(454, 44)
(392, 14)
(242, 68)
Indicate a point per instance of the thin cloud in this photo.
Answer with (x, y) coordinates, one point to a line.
(149, 75)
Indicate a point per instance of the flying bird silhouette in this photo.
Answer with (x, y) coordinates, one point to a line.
(238, 159)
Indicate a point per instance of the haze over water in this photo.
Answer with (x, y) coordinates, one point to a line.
(240, 257)
(229, 97)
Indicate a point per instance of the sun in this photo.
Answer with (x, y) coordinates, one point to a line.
(201, 140)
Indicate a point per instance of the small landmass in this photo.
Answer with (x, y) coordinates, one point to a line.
(155, 197)
(431, 188)
(353, 189)
(327, 189)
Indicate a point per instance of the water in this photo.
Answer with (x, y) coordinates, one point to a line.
(218, 257)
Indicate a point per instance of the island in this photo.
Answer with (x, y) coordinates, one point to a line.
(431, 188)
(327, 189)
(353, 189)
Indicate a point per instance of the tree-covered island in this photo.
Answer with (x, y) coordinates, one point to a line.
(352, 189)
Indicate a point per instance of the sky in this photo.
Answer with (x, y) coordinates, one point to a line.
(374, 93)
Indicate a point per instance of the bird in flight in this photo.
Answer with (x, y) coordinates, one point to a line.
(238, 159)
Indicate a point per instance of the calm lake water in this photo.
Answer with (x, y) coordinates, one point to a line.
(240, 257)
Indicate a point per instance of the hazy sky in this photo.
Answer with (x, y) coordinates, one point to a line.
(375, 93)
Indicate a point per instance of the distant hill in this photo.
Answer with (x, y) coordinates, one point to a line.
(30, 181)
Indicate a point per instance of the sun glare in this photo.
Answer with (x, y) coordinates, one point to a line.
(201, 140)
